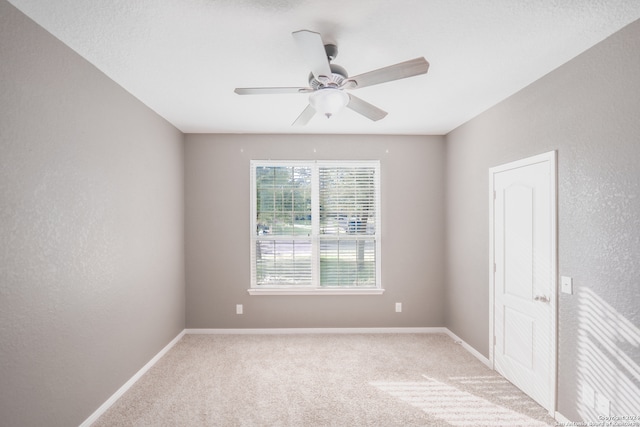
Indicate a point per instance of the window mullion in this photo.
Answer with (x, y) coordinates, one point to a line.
(315, 225)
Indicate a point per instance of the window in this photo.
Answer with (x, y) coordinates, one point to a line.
(315, 227)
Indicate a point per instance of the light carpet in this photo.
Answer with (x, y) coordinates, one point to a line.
(322, 380)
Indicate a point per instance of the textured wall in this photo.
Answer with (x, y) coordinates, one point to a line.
(217, 232)
(587, 110)
(91, 225)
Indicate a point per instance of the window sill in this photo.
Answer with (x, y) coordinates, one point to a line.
(315, 291)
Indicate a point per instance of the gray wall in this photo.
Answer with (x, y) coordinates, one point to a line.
(588, 110)
(217, 232)
(91, 225)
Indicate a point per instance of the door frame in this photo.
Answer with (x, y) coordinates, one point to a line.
(551, 158)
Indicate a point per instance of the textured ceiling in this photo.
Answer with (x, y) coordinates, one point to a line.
(184, 58)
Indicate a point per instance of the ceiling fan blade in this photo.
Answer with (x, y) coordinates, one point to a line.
(304, 117)
(270, 90)
(312, 48)
(363, 107)
(399, 71)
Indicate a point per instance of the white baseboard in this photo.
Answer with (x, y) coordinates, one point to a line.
(470, 349)
(273, 331)
(106, 405)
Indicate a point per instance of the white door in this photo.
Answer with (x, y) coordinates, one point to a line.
(523, 282)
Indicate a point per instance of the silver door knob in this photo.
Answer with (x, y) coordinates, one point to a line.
(541, 298)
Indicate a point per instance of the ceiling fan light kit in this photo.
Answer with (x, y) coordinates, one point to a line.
(328, 82)
(328, 101)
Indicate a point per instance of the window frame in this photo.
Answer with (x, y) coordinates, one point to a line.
(315, 288)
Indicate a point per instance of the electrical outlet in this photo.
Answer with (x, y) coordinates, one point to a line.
(398, 307)
(566, 285)
(239, 309)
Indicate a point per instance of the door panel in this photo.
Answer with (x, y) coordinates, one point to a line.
(518, 240)
(518, 337)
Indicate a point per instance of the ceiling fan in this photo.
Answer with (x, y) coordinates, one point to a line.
(329, 82)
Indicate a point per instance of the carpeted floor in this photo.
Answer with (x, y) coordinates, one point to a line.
(322, 380)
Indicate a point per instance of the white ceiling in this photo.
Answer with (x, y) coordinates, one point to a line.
(183, 58)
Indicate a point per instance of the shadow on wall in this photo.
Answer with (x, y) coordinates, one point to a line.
(608, 366)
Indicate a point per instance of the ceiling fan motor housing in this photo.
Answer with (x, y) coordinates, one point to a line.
(338, 75)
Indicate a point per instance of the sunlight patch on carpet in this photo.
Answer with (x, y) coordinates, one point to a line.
(453, 405)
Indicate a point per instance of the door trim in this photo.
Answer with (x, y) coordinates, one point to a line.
(551, 158)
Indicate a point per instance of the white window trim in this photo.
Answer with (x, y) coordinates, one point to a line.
(314, 289)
